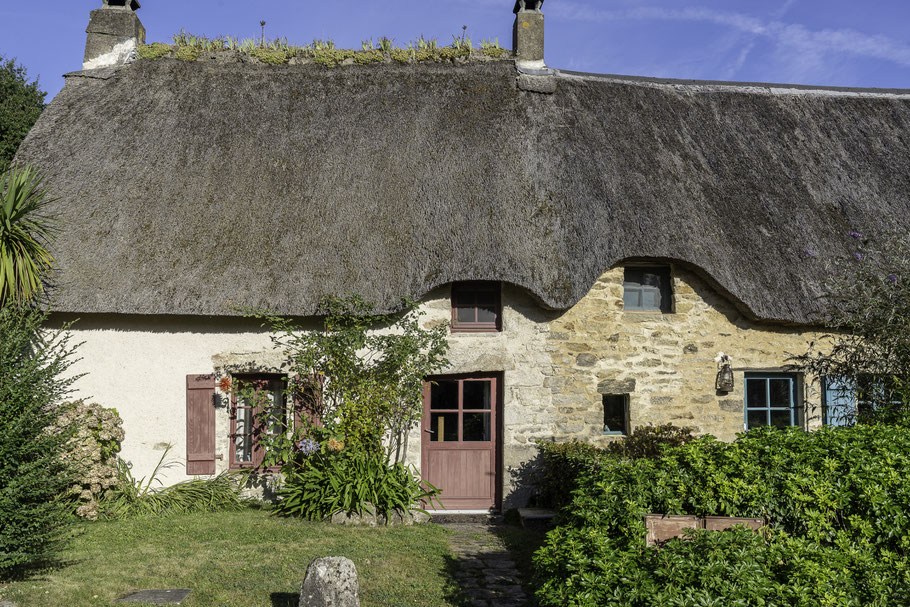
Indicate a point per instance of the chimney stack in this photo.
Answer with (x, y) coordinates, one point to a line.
(114, 31)
(528, 34)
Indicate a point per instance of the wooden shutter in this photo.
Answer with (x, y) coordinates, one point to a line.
(200, 424)
(840, 401)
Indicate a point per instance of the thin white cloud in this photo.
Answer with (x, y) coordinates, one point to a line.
(784, 9)
(796, 39)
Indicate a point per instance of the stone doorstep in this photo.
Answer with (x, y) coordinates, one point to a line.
(441, 517)
(156, 597)
(536, 518)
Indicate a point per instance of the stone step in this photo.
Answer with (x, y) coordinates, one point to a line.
(536, 518)
(441, 517)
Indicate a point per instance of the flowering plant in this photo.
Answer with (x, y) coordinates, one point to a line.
(91, 451)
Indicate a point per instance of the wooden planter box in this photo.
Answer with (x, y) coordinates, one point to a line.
(665, 527)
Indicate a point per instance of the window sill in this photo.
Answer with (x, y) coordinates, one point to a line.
(241, 468)
(480, 329)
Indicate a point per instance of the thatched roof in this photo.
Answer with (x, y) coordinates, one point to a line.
(193, 188)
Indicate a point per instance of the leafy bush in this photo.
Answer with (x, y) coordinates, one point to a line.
(34, 480)
(563, 463)
(350, 481)
(866, 308)
(707, 568)
(133, 497)
(91, 451)
(838, 501)
(649, 441)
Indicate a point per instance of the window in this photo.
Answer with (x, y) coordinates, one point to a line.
(647, 289)
(476, 306)
(846, 400)
(616, 413)
(248, 419)
(771, 400)
(461, 410)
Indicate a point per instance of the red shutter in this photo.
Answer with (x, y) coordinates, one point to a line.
(200, 424)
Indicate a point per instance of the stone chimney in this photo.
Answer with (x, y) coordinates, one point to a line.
(528, 35)
(114, 31)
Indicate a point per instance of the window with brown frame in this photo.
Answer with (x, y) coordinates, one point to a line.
(476, 307)
(248, 422)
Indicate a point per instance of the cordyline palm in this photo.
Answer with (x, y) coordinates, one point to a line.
(24, 260)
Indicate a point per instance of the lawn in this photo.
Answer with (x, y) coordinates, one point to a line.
(243, 559)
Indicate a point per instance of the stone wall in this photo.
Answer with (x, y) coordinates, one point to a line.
(665, 362)
(555, 364)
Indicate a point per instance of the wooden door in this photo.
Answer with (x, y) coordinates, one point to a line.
(460, 440)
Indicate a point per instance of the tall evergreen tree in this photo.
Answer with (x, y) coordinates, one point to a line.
(21, 103)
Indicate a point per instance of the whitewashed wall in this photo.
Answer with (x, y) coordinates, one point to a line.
(139, 366)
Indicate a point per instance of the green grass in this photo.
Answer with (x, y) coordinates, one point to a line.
(243, 559)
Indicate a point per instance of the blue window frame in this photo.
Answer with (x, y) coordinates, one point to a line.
(647, 289)
(840, 401)
(771, 400)
(846, 399)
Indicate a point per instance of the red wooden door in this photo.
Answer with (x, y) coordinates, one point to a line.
(460, 440)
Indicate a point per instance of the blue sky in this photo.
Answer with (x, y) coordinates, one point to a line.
(827, 42)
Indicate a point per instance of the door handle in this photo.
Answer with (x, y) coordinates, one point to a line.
(430, 431)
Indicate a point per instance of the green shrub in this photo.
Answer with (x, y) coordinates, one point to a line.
(839, 495)
(34, 480)
(736, 567)
(132, 497)
(650, 441)
(351, 481)
(563, 463)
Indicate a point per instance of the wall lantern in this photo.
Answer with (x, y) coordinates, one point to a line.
(724, 381)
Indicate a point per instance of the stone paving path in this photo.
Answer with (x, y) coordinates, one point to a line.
(484, 567)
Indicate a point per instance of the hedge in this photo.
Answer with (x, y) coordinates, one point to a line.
(837, 502)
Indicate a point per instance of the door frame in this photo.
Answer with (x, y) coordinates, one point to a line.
(496, 432)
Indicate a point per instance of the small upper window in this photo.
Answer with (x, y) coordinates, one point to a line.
(616, 413)
(476, 306)
(647, 288)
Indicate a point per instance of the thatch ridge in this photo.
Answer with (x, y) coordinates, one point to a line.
(194, 188)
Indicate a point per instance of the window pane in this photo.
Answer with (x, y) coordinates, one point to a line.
(443, 427)
(757, 418)
(486, 314)
(781, 418)
(244, 448)
(631, 298)
(463, 298)
(650, 298)
(650, 279)
(444, 395)
(615, 413)
(275, 402)
(243, 440)
(780, 393)
(476, 427)
(244, 422)
(756, 393)
(476, 395)
(464, 314)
